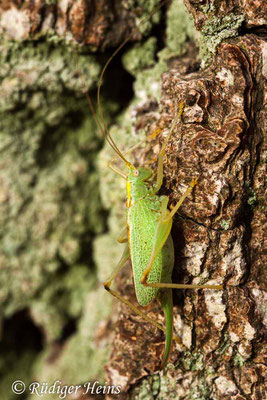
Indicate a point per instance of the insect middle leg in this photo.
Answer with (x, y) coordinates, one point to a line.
(123, 238)
(107, 284)
(161, 235)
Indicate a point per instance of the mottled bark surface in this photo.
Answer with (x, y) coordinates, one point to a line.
(219, 236)
(219, 230)
(254, 12)
(97, 24)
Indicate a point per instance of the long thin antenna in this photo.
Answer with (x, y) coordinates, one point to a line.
(100, 127)
(104, 129)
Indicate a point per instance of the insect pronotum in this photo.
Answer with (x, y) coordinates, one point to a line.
(147, 235)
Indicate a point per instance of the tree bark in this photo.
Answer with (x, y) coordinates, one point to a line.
(52, 219)
(219, 236)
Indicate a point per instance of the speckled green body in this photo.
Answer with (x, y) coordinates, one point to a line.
(143, 214)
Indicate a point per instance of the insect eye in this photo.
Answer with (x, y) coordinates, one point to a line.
(136, 172)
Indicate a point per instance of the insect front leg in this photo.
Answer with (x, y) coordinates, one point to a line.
(117, 170)
(162, 151)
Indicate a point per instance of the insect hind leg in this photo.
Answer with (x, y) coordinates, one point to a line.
(107, 285)
(161, 235)
(137, 311)
(163, 230)
(124, 258)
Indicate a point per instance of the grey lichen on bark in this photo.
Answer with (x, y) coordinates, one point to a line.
(52, 220)
(50, 208)
(50, 203)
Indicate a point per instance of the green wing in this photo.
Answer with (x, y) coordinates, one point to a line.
(142, 220)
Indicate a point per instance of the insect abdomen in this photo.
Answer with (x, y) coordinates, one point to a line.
(142, 221)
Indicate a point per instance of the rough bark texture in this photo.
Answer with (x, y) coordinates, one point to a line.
(218, 238)
(97, 24)
(52, 220)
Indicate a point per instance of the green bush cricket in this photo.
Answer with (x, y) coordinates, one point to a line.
(149, 244)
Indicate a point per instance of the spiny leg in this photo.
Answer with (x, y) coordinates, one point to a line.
(162, 151)
(117, 170)
(161, 155)
(125, 257)
(182, 199)
(162, 232)
(182, 286)
(163, 228)
(140, 313)
(155, 133)
(152, 136)
(123, 238)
